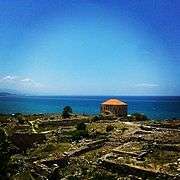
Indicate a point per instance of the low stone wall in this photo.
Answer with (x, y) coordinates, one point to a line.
(132, 154)
(22, 127)
(65, 122)
(172, 124)
(63, 160)
(90, 146)
(151, 128)
(60, 161)
(152, 140)
(137, 171)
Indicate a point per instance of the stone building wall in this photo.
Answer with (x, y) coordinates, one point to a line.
(118, 110)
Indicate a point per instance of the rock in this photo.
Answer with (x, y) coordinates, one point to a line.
(120, 158)
(178, 169)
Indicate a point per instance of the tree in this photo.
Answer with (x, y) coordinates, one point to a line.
(66, 112)
(68, 109)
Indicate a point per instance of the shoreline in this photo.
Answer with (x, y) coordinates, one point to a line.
(155, 108)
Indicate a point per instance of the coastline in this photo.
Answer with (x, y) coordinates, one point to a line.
(158, 107)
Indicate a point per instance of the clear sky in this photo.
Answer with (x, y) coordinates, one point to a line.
(95, 47)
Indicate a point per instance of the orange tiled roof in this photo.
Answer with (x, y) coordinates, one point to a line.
(114, 102)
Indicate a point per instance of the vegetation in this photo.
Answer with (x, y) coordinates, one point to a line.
(80, 132)
(67, 111)
(81, 126)
(46, 150)
(20, 119)
(109, 128)
(39, 160)
(95, 118)
(4, 118)
(4, 154)
(139, 117)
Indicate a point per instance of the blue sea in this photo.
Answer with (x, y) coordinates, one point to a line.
(155, 107)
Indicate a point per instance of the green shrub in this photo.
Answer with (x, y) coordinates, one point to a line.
(109, 128)
(49, 147)
(78, 134)
(81, 126)
(3, 118)
(21, 119)
(97, 135)
(95, 118)
(17, 114)
(139, 117)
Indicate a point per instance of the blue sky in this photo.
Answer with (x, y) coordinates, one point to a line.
(90, 47)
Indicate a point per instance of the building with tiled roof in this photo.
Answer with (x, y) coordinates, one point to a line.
(114, 106)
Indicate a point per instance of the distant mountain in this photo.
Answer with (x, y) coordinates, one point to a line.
(10, 92)
(6, 94)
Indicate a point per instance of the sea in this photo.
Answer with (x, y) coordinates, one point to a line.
(155, 107)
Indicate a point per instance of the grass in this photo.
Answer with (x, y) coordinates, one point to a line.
(46, 128)
(49, 149)
(163, 157)
(131, 147)
(95, 154)
(77, 134)
(101, 127)
(163, 161)
(26, 175)
(80, 168)
(159, 160)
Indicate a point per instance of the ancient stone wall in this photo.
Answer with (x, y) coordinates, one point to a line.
(116, 110)
(65, 122)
